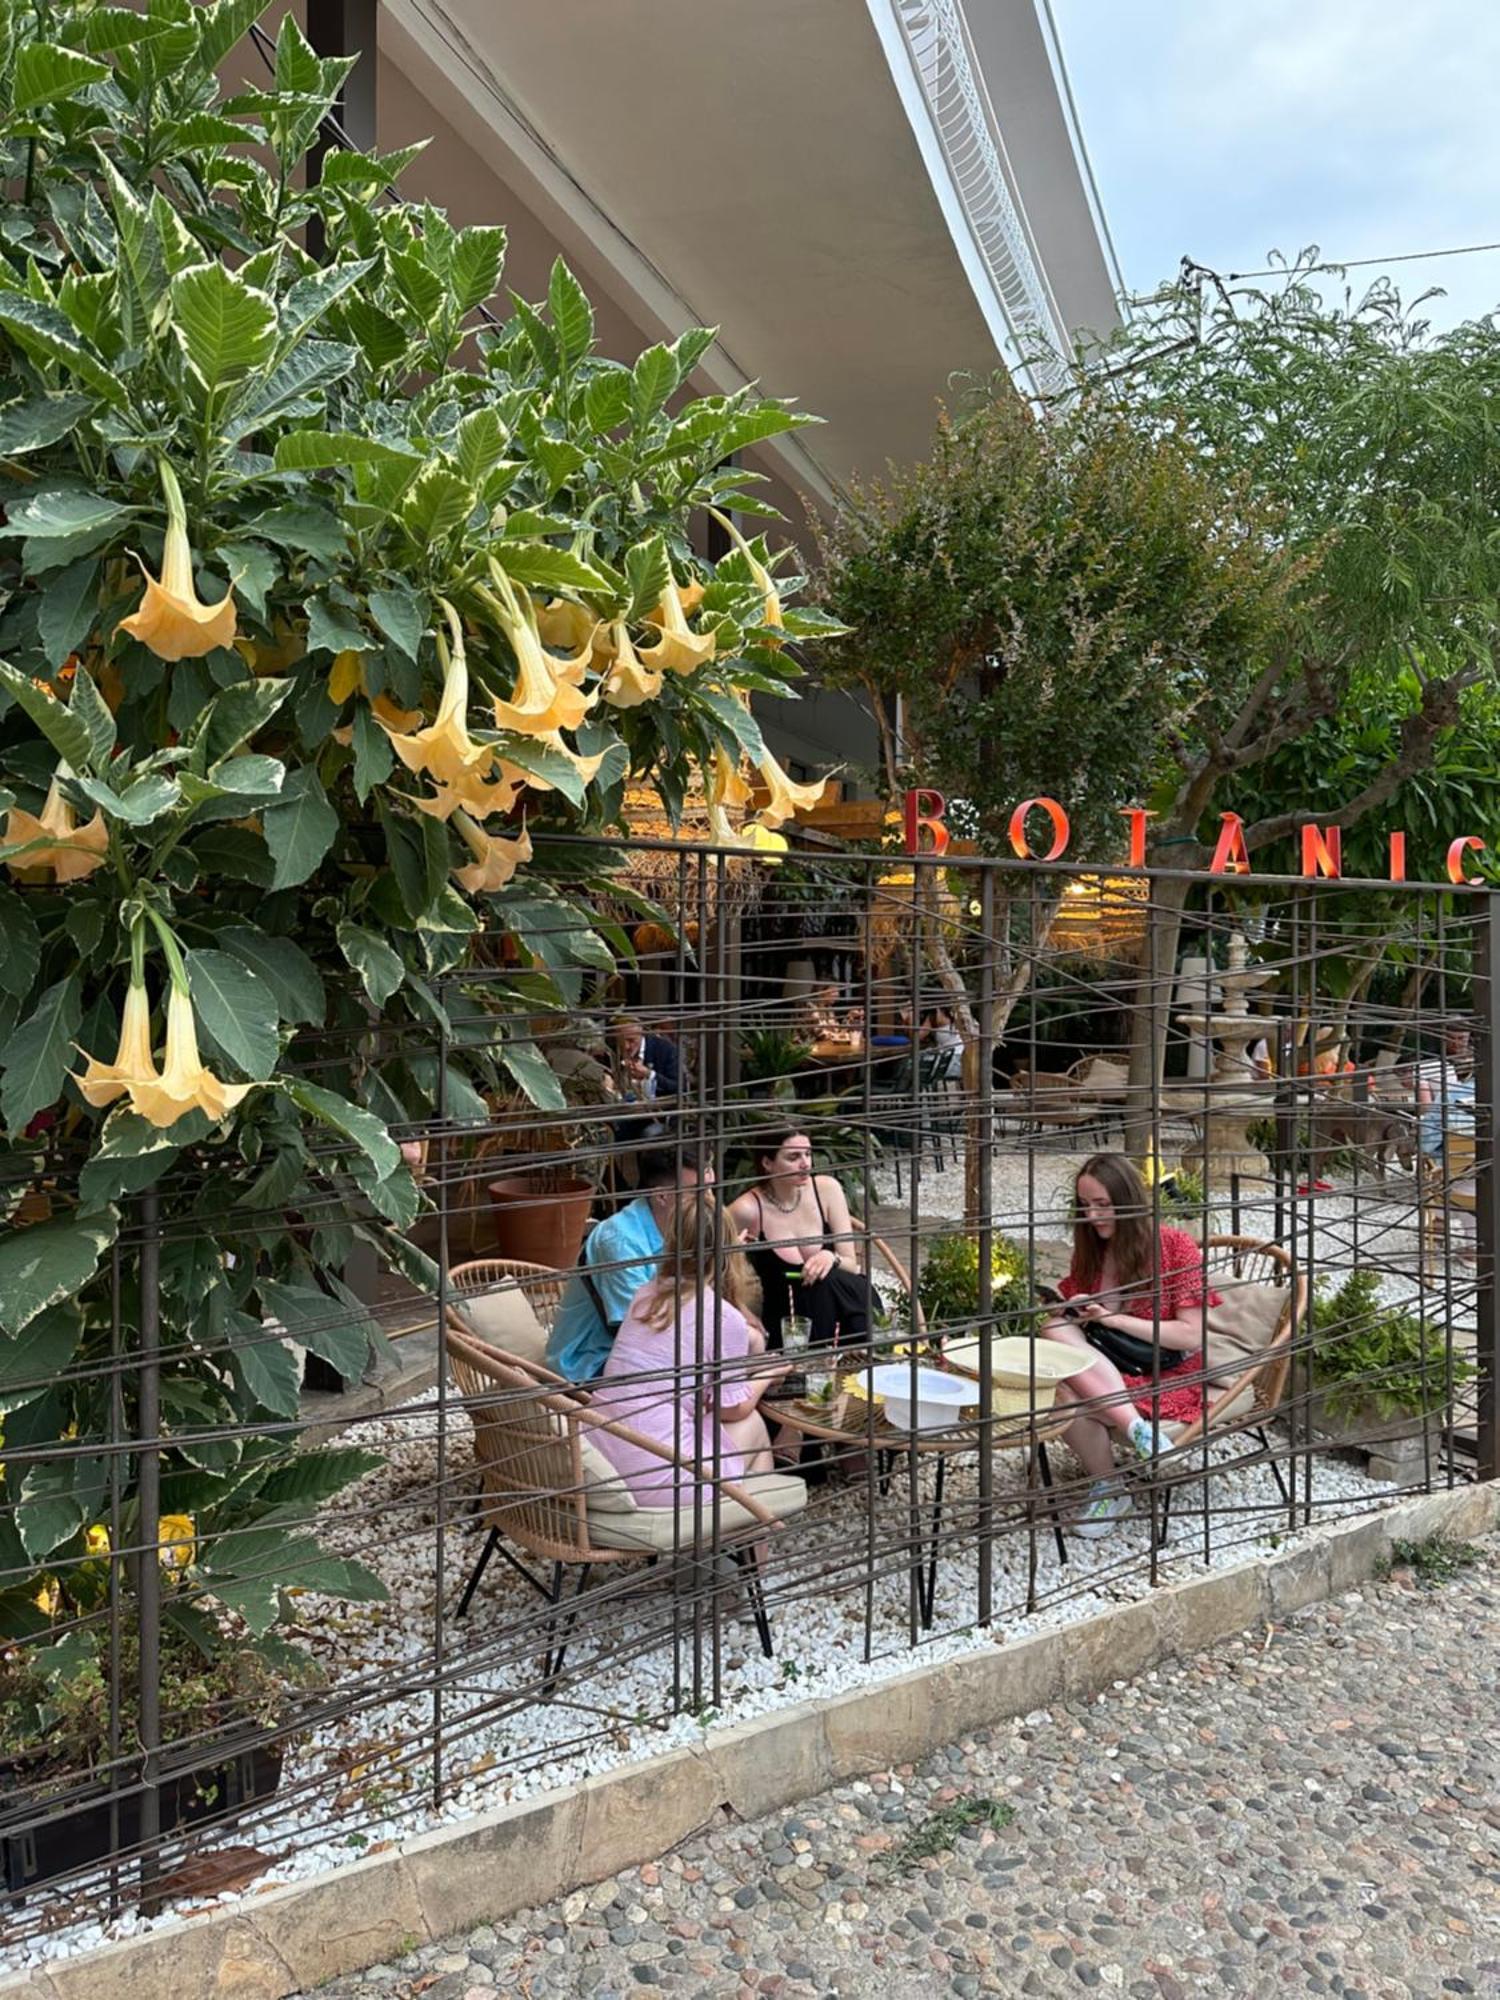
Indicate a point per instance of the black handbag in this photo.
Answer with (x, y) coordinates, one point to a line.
(1130, 1356)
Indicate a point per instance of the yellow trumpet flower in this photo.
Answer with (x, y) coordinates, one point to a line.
(547, 695)
(445, 750)
(185, 1084)
(48, 1599)
(171, 620)
(96, 1539)
(495, 859)
(679, 648)
(787, 796)
(765, 583)
(629, 681)
(101, 1083)
(69, 852)
(177, 1541)
(569, 628)
(762, 841)
(479, 796)
(726, 782)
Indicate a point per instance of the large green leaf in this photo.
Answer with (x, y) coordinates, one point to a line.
(477, 257)
(20, 945)
(572, 315)
(374, 759)
(66, 732)
(323, 1325)
(46, 74)
(285, 968)
(46, 1263)
(51, 1510)
(315, 1476)
(227, 328)
(235, 716)
(31, 1360)
(351, 1121)
(249, 1568)
(317, 451)
(32, 422)
(437, 503)
(36, 1058)
(379, 967)
(237, 1008)
(401, 616)
(299, 829)
(45, 332)
(94, 713)
(265, 1365)
(535, 1075)
(222, 25)
(132, 1156)
(139, 804)
(653, 378)
(546, 568)
(61, 511)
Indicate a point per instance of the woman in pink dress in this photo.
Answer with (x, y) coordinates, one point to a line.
(678, 1371)
(1148, 1285)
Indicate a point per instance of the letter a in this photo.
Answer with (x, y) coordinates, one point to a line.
(1231, 856)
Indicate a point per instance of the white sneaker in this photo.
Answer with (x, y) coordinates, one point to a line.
(1099, 1514)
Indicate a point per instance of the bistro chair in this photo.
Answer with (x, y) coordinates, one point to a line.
(548, 1491)
(508, 1304)
(1445, 1185)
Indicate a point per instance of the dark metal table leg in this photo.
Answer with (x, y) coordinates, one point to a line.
(1044, 1468)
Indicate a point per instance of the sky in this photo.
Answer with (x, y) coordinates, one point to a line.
(1225, 129)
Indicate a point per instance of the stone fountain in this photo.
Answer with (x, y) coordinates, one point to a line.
(1233, 1102)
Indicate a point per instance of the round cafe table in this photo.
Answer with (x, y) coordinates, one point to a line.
(1028, 1431)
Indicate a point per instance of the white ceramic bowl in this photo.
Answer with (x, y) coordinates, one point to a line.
(1024, 1373)
(940, 1397)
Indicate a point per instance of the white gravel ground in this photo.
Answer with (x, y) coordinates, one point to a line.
(360, 1782)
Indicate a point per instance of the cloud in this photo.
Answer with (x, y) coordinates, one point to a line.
(1224, 131)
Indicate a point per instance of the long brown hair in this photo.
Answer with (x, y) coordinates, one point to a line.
(698, 1243)
(1135, 1237)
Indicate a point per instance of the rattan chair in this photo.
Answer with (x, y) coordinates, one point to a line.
(1447, 1184)
(546, 1488)
(1249, 1396)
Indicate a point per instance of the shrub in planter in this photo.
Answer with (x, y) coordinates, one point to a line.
(948, 1283)
(1376, 1364)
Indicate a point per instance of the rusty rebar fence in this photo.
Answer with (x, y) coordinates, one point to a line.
(559, 1524)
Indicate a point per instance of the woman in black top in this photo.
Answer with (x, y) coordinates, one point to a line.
(800, 1241)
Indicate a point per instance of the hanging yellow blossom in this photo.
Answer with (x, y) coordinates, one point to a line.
(171, 620)
(185, 1083)
(765, 583)
(177, 1541)
(629, 682)
(679, 648)
(445, 750)
(570, 628)
(96, 1539)
(495, 859)
(548, 695)
(479, 796)
(787, 797)
(134, 1063)
(48, 1599)
(768, 845)
(68, 852)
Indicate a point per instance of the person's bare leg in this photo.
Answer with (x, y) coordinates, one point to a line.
(1100, 1379)
(1087, 1439)
(749, 1436)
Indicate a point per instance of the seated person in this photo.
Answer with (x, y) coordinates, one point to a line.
(619, 1257)
(647, 1067)
(1127, 1279)
(801, 1243)
(818, 1016)
(939, 1031)
(1445, 1083)
(679, 1375)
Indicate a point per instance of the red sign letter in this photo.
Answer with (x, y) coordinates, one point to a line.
(925, 808)
(1322, 854)
(1467, 843)
(1138, 816)
(1231, 856)
(1398, 857)
(1060, 829)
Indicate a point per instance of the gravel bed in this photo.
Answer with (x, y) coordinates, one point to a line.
(1310, 1809)
(361, 1782)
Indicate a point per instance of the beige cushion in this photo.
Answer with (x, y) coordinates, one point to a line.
(1243, 1326)
(506, 1319)
(655, 1530)
(606, 1488)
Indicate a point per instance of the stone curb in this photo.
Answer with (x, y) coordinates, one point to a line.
(496, 1863)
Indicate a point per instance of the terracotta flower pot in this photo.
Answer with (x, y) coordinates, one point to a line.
(540, 1218)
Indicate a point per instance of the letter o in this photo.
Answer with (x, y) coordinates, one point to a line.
(1061, 829)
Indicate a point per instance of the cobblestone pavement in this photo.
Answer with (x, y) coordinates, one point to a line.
(1309, 1809)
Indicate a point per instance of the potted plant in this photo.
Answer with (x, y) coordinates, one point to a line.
(1380, 1371)
(948, 1282)
(769, 1059)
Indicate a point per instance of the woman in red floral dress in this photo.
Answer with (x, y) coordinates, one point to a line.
(1149, 1285)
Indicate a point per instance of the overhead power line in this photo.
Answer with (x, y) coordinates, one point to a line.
(1358, 263)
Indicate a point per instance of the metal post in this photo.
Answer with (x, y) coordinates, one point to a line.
(443, 1152)
(1487, 1186)
(982, 1137)
(148, 1571)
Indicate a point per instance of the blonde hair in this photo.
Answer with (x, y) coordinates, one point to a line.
(699, 1243)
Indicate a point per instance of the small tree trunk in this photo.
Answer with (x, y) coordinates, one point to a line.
(1150, 1000)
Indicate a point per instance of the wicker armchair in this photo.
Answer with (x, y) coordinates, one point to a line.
(505, 1280)
(546, 1487)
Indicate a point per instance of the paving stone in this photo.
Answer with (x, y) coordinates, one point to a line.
(1308, 1809)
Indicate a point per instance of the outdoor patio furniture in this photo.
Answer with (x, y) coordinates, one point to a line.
(508, 1304)
(1447, 1184)
(1249, 1348)
(547, 1487)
